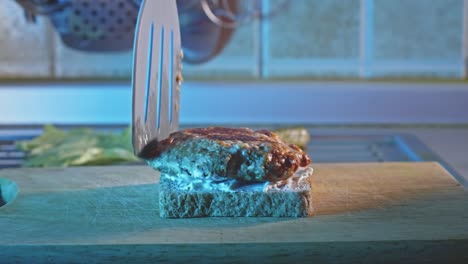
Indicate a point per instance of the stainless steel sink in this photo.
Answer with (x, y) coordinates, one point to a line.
(367, 148)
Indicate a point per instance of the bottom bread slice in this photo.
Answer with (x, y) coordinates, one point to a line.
(293, 201)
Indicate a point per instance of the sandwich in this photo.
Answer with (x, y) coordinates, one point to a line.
(230, 172)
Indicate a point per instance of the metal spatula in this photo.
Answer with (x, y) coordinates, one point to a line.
(156, 74)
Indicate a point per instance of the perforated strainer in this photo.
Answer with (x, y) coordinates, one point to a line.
(91, 25)
(97, 25)
(109, 25)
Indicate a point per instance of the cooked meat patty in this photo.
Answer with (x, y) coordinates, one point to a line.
(238, 153)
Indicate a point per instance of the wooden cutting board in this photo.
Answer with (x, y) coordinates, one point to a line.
(377, 211)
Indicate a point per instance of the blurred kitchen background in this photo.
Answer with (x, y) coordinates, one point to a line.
(370, 80)
(307, 39)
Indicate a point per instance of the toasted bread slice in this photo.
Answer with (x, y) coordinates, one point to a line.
(292, 199)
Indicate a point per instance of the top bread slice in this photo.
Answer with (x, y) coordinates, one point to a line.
(236, 153)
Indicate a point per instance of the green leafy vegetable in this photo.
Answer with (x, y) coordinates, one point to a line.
(77, 147)
(296, 135)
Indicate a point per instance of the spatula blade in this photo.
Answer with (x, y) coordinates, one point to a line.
(156, 73)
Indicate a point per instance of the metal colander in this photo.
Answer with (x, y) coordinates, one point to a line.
(109, 25)
(97, 25)
(91, 25)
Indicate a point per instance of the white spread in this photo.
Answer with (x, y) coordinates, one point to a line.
(297, 181)
(216, 183)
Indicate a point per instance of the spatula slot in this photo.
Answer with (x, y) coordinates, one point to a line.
(148, 67)
(171, 76)
(160, 77)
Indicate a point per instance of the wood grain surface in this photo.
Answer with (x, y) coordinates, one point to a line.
(373, 211)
